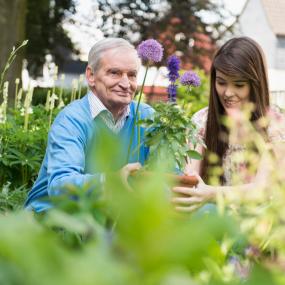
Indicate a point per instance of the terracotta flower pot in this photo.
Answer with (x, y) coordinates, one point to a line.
(184, 180)
(177, 180)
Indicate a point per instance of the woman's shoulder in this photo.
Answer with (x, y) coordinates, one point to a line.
(276, 128)
(200, 119)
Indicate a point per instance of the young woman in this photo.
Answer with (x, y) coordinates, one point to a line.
(238, 80)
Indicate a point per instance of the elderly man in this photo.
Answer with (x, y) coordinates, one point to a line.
(111, 74)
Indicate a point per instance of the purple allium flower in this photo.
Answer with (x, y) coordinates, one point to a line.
(190, 78)
(150, 50)
(172, 91)
(173, 66)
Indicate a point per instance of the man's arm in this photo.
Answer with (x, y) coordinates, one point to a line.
(66, 157)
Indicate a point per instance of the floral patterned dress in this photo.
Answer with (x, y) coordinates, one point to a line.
(232, 165)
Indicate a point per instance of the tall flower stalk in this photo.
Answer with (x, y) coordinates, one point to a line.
(74, 90)
(9, 62)
(60, 99)
(53, 98)
(55, 76)
(47, 100)
(17, 82)
(3, 106)
(173, 66)
(27, 107)
(149, 51)
(80, 82)
(19, 98)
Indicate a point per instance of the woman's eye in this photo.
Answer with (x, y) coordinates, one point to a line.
(221, 83)
(239, 85)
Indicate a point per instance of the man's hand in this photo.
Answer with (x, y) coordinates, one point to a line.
(128, 169)
(188, 199)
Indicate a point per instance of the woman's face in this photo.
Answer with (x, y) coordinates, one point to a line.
(233, 92)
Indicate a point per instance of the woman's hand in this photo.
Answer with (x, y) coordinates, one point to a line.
(188, 199)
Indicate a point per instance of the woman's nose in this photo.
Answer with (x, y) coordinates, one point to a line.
(229, 91)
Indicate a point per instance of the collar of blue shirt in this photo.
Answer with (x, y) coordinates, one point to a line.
(97, 108)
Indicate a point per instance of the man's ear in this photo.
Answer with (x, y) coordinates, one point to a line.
(90, 76)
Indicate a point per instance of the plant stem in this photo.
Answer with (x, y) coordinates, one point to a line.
(9, 62)
(19, 97)
(16, 93)
(47, 100)
(80, 86)
(27, 104)
(136, 114)
(139, 137)
(50, 118)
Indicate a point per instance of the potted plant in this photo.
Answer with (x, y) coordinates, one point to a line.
(170, 130)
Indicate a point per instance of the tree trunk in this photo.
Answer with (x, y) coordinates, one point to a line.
(12, 29)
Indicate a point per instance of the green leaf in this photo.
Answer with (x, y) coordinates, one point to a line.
(194, 154)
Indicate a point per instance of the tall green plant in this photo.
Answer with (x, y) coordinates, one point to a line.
(149, 51)
(10, 60)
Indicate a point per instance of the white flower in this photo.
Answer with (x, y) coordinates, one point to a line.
(81, 78)
(30, 110)
(61, 104)
(22, 111)
(164, 120)
(35, 128)
(75, 83)
(2, 117)
(19, 97)
(3, 106)
(5, 92)
(5, 189)
(53, 97)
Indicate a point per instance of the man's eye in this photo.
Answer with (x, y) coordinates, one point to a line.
(114, 72)
(133, 75)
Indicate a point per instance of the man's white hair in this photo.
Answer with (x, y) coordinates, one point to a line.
(95, 54)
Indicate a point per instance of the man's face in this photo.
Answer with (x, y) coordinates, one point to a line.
(115, 82)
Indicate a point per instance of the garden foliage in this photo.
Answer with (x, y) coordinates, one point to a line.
(116, 236)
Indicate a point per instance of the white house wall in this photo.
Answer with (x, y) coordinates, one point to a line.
(253, 23)
(280, 53)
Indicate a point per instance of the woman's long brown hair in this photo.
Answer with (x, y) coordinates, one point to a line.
(239, 57)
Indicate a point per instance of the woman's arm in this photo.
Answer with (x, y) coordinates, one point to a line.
(193, 165)
(188, 199)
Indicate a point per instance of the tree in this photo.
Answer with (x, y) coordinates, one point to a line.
(180, 26)
(39, 21)
(45, 32)
(12, 23)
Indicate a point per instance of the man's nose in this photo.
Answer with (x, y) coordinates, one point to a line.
(125, 82)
